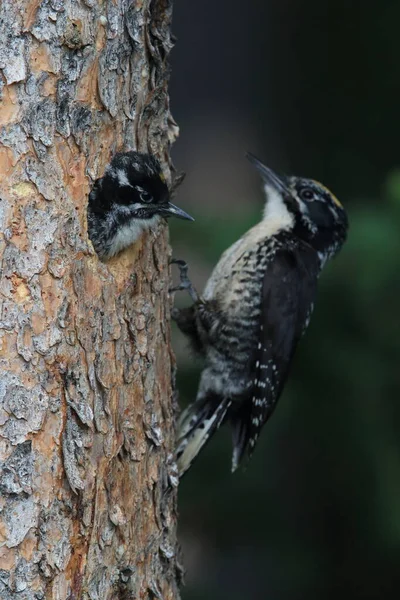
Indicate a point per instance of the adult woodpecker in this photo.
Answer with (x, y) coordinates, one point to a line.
(254, 309)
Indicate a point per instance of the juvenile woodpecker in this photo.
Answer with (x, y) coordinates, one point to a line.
(253, 311)
(131, 197)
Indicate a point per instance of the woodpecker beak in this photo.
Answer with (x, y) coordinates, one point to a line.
(268, 176)
(170, 210)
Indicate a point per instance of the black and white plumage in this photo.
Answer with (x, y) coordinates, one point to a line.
(131, 197)
(253, 311)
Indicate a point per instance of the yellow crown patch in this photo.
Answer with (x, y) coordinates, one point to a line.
(336, 201)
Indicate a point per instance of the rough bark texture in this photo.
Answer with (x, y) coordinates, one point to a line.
(87, 482)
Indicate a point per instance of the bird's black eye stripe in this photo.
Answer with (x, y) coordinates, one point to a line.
(307, 194)
(145, 196)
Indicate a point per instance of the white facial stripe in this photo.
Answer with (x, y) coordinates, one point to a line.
(129, 208)
(333, 211)
(122, 178)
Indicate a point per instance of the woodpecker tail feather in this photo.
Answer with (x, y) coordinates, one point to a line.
(239, 421)
(196, 426)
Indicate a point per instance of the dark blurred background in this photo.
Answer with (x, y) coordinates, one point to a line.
(313, 88)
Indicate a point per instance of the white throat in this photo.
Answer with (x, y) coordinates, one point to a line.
(277, 216)
(128, 234)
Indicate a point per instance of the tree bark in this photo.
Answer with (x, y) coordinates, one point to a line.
(87, 479)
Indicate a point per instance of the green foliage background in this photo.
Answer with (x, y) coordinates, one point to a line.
(316, 514)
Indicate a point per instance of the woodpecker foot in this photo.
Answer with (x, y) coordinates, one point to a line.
(185, 283)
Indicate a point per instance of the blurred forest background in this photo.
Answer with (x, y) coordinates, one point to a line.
(313, 88)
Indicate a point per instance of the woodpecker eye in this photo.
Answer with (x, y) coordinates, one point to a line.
(307, 194)
(146, 197)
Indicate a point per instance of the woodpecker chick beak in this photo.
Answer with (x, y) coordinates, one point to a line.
(268, 176)
(170, 210)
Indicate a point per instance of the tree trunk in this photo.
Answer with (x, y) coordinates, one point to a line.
(87, 480)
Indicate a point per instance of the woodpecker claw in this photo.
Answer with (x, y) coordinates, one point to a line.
(185, 283)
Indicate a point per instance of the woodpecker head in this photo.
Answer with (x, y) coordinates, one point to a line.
(131, 196)
(307, 207)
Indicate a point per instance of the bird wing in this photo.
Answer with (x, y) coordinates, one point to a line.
(288, 294)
